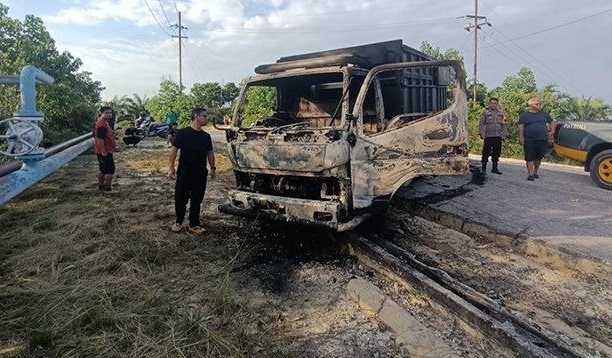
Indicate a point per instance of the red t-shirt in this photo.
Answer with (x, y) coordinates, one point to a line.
(103, 130)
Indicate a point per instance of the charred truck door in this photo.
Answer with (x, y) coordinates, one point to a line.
(403, 126)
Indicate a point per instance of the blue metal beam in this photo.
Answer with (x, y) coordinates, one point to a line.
(33, 171)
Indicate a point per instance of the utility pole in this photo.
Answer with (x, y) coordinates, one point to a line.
(476, 27)
(180, 42)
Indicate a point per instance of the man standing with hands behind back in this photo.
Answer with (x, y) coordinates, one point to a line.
(196, 148)
(492, 129)
(104, 147)
(534, 135)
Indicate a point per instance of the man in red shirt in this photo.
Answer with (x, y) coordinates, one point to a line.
(104, 146)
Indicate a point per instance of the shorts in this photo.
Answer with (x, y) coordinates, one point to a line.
(106, 163)
(535, 149)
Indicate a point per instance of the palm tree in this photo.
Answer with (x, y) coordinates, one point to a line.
(584, 109)
(138, 104)
(121, 105)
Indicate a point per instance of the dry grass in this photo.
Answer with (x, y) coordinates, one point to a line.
(89, 274)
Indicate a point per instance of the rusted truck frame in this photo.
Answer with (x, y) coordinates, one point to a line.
(337, 165)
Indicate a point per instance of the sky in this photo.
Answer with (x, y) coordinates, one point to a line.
(128, 46)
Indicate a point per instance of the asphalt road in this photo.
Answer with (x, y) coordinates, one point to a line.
(563, 207)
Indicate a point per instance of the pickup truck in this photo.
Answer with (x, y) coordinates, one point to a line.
(590, 143)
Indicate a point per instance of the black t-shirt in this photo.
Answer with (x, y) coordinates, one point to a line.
(194, 147)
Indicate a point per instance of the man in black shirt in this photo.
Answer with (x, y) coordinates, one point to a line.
(195, 146)
(131, 135)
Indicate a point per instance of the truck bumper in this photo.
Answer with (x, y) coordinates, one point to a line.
(301, 211)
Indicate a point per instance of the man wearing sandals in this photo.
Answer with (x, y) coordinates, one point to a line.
(195, 146)
(536, 127)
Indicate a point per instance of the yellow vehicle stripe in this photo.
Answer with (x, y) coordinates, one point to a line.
(571, 153)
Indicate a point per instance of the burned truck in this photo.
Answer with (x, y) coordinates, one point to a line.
(327, 138)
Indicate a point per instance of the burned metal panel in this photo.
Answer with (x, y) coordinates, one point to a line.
(381, 164)
(291, 157)
(374, 54)
(434, 144)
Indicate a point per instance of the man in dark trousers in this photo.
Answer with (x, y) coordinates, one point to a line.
(492, 129)
(104, 147)
(195, 146)
(536, 127)
(132, 135)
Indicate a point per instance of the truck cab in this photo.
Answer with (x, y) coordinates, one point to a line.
(345, 130)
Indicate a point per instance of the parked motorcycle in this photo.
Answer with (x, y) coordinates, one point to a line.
(151, 128)
(157, 130)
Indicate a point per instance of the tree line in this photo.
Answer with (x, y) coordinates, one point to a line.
(215, 97)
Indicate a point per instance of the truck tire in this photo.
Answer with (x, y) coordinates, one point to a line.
(600, 169)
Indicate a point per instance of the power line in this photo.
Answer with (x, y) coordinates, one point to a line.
(164, 12)
(176, 7)
(556, 76)
(193, 63)
(476, 27)
(157, 21)
(503, 54)
(553, 27)
(543, 65)
(526, 52)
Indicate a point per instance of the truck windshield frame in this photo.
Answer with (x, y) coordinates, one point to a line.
(310, 96)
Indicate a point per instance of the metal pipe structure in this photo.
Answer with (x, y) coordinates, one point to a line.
(10, 167)
(30, 75)
(36, 163)
(15, 165)
(58, 148)
(33, 171)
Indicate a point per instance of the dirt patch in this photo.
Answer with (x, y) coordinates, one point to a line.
(568, 297)
(90, 273)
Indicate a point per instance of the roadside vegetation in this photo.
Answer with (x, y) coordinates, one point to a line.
(513, 94)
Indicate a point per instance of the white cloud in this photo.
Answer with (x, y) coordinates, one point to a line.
(101, 11)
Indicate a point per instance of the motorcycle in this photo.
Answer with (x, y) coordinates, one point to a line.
(157, 130)
(152, 129)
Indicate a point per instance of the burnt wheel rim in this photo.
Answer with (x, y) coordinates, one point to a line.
(604, 170)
